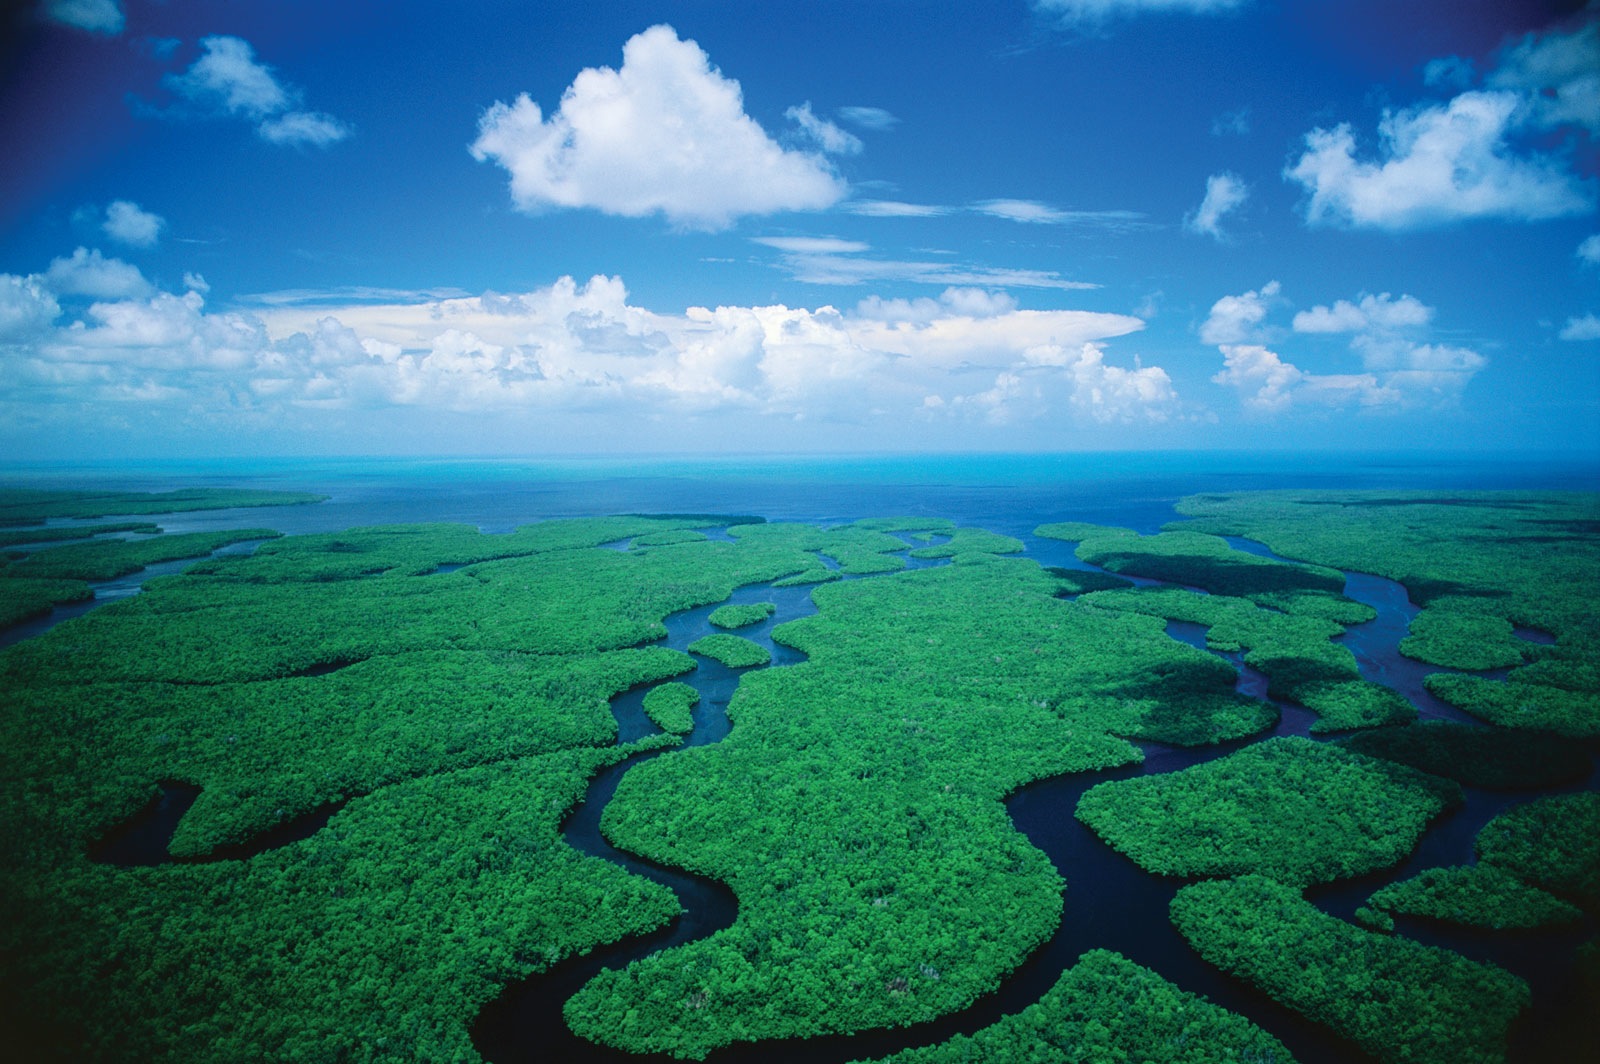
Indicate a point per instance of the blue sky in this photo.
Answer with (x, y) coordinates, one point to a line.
(502, 228)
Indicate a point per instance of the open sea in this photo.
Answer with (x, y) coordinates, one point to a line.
(1109, 902)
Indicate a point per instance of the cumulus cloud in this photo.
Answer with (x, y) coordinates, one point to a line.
(1584, 328)
(666, 132)
(89, 273)
(1236, 319)
(1379, 312)
(571, 348)
(872, 119)
(1400, 370)
(1466, 158)
(1440, 164)
(1589, 249)
(1225, 192)
(96, 16)
(129, 224)
(1094, 11)
(228, 79)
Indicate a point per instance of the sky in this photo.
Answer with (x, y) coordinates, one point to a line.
(494, 228)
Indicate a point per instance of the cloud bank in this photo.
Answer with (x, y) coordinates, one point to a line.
(1400, 370)
(90, 335)
(665, 133)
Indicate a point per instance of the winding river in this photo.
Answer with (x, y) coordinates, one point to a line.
(1110, 902)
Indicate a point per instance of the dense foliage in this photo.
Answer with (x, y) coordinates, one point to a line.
(1552, 842)
(1106, 1008)
(107, 559)
(21, 599)
(1518, 702)
(56, 533)
(1194, 560)
(1479, 563)
(1481, 895)
(1300, 811)
(29, 506)
(377, 939)
(1295, 652)
(670, 707)
(736, 652)
(1397, 999)
(1492, 758)
(741, 614)
(855, 807)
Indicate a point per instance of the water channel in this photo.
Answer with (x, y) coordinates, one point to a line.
(1110, 902)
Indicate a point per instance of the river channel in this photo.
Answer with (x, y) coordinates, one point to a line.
(1110, 902)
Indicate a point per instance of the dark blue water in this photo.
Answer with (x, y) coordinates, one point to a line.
(1110, 903)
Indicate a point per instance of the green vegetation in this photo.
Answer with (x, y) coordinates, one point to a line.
(1208, 562)
(1295, 652)
(1482, 895)
(970, 540)
(27, 506)
(107, 559)
(1519, 702)
(1478, 757)
(736, 652)
(668, 537)
(377, 939)
(21, 599)
(1478, 563)
(855, 807)
(669, 707)
(60, 532)
(1106, 1008)
(1083, 581)
(1553, 843)
(1397, 999)
(741, 615)
(1300, 811)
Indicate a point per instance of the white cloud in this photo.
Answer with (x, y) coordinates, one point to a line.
(1399, 370)
(303, 128)
(127, 223)
(1224, 192)
(1236, 319)
(825, 260)
(1559, 75)
(89, 273)
(827, 136)
(227, 78)
(1589, 249)
(964, 302)
(873, 119)
(1093, 11)
(26, 307)
(1584, 328)
(1450, 72)
(1036, 213)
(571, 348)
(96, 16)
(1440, 164)
(1380, 312)
(895, 209)
(666, 132)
